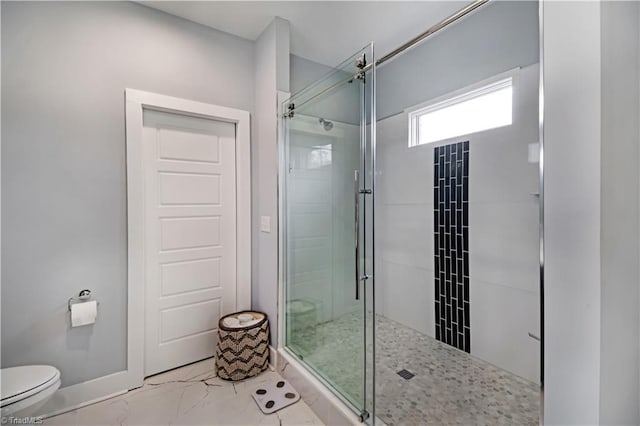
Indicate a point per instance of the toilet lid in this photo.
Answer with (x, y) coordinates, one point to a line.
(18, 383)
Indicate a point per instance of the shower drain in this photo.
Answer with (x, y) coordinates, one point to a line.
(405, 374)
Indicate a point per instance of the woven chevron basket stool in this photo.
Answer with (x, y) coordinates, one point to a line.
(243, 345)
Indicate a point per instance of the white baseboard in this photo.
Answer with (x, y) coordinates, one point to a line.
(86, 393)
(82, 394)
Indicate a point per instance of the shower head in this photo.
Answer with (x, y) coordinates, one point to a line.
(328, 125)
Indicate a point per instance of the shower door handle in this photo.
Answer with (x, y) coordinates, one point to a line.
(356, 191)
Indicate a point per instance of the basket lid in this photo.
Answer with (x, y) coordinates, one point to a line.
(242, 320)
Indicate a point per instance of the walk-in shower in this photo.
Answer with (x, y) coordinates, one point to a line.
(411, 197)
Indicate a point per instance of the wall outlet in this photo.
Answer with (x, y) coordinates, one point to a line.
(265, 224)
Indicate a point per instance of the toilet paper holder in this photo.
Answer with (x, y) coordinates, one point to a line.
(83, 296)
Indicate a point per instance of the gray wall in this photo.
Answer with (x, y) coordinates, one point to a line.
(271, 74)
(342, 104)
(303, 72)
(501, 36)
(619, 294)
(64, 70)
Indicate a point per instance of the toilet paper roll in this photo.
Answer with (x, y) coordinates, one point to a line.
(84, 313)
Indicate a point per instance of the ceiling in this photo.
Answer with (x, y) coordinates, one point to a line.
(323, 31)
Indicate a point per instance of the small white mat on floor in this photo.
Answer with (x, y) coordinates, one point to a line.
(274, 396)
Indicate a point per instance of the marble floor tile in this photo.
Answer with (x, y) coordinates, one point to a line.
(449, 387)
(190, 395)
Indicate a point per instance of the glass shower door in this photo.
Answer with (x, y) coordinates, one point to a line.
(327, 206)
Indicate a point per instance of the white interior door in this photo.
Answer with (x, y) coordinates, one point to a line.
(190, 235)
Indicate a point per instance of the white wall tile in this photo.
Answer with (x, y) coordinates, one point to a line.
(407, 234)
(501, 317)
(499, 169)
(503, 244)
(391, 129)
(406, 296)
(405, 174)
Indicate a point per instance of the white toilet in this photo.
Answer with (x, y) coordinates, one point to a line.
(25, 389)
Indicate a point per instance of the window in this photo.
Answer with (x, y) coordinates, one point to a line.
(485, 108)
(319, 156)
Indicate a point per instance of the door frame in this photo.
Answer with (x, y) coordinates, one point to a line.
(136, 101)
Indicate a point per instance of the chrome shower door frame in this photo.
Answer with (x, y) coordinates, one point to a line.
(299, 107)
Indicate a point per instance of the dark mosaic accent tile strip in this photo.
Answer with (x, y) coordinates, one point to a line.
(451, 244)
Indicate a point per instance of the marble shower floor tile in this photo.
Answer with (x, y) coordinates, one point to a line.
(450, 387)
(190, 395)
